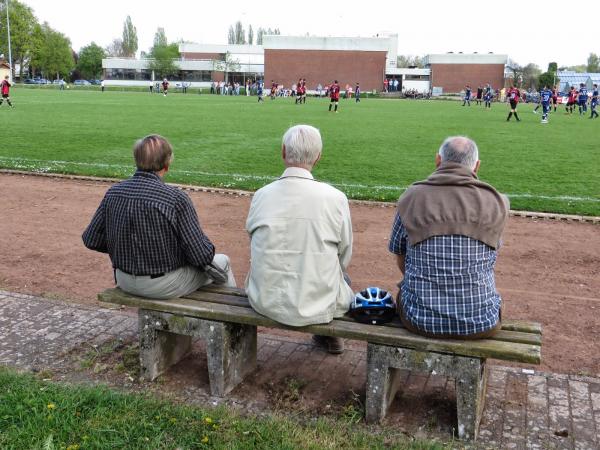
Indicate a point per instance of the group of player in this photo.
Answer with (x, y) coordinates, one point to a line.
(484, 95)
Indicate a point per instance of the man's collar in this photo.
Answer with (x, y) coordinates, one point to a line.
(297, 172)
(145, 174)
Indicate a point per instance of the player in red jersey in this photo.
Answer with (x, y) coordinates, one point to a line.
(334, 95)
(5, 90)
(554, 97)
(513, 97)
(571, 100)
(299, 91)
(273, 89)
(303, 90)
(165, 86)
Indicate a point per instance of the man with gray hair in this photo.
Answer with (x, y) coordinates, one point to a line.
(445, 236)
(301, 242)
(151, 231)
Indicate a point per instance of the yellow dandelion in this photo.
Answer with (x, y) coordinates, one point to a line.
(215, 427)
(204, 440)
(73, 447)
(51, 406)
(173, 420)
(208, 420)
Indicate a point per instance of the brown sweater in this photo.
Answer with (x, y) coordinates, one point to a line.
(453, 201)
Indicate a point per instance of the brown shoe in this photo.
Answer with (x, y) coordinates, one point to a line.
(333, 345)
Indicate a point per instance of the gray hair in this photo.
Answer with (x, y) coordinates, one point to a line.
(303, 144)
(461, 150)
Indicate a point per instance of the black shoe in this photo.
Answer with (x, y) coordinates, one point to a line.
(333, 345)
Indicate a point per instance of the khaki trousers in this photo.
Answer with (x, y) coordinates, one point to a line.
(177, 283)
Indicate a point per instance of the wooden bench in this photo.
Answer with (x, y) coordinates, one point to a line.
(224, 319)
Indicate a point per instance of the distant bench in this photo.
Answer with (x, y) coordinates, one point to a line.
(224, 319)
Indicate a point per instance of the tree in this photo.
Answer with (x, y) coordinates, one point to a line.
(250, 35)
(163, 55)
(54, 56)
(229, 64)
(22, 25)
(547, 79)
(240, 34)
(530, 74)
(259, 36)
(115, 48)
(593, 63)
(130, 40)
(410, 61)
(231, 35)
(552, 67)
(90, 61)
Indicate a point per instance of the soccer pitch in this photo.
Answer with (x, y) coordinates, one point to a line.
(372, 150)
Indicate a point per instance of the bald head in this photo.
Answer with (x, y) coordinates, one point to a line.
(461, 150)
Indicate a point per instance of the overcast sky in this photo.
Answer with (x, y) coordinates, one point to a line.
(530, 31)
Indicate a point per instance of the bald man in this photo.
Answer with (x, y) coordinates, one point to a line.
(445, 237)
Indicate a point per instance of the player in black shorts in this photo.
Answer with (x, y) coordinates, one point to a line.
(554, 97)
(479, 95)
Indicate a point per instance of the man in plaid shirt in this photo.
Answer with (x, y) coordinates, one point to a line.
(445, 237)
(151, 231)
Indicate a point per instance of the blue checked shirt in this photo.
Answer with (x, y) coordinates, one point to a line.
(448, 285)
(148, 228)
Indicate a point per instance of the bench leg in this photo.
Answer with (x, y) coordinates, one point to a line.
(383, 379)
(383, 382)
(159, 349)
(471, 383)
(231, 354)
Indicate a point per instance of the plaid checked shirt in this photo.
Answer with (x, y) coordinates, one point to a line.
(448, 285)
(148, 228)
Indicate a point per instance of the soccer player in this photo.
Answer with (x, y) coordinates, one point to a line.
(582, 99)
(467, 98)
(594, 102)
(259, 91)
(357, 93)
(273, 89)
(165, 86)
(571, 100)
(487, 98)
(5, 90)
(298, 91)
(513, 97)
(334, 95)
(554, 97)
(545, 98)
(303, 90)
(479, 97)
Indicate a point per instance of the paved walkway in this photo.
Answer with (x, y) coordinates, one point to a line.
(524, 409)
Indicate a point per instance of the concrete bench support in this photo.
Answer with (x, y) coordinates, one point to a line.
(166, 338)
(383, 379)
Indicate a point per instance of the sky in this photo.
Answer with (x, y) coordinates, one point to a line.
(434, 27)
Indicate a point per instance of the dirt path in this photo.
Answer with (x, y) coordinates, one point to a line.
(547, 271)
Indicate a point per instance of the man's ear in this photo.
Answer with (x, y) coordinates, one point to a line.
(477, 164)
(438, 160)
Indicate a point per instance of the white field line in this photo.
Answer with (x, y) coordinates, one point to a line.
(45, 165)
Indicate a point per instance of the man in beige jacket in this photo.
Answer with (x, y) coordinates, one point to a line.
(301, 242)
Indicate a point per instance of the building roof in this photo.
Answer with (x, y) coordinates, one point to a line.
(188, 47)
(465, 58)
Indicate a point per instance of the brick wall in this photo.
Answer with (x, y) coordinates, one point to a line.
(454, 77)
(324, 66)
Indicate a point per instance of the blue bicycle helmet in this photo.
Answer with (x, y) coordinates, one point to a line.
(373, 305)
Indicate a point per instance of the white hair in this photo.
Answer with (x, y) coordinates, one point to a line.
(302, 144)
(461, 150)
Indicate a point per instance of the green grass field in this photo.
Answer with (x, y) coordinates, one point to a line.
(372, 150)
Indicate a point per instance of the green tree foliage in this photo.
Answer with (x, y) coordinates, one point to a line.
(240, 33)
(22, 24)
(547, 79)
(552, 67)
(229, 64)
(231, 35)
(530, 75)
(163, 56)
(130, 39)
(53, 55)
(593, 63)
(250, 35)
(90, 61)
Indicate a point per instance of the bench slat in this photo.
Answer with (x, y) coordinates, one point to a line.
(391, 336)
(511, 330)
(521, 326)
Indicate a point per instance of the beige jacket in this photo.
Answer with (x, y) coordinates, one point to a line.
(301, 243)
